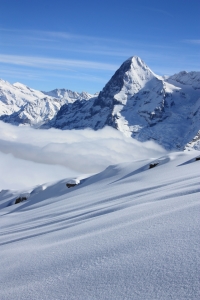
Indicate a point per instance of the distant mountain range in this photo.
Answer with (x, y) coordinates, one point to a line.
(20, 104)
(135, 101)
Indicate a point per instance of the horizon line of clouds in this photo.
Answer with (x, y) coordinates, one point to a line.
(63, 35)
(108, 51)
(45, 77)
(37, 35)
(123, 48)
(157, 10)
(104, 52)
(54, 63)
(42, 35)
(56, 71)
(154, 57)
(192, 41)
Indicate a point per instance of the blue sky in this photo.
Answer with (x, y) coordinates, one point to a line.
(79, 44)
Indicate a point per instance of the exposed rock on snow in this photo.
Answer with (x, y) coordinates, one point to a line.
(72, 183)
(23, 197)
(153, 165)
(194, 143)
(20, 199)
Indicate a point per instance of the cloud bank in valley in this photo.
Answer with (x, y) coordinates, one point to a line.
(31, 156)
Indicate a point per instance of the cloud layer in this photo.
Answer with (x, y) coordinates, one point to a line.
(37, 156)
(54, 63)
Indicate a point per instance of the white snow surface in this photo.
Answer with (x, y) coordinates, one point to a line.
(129, 232)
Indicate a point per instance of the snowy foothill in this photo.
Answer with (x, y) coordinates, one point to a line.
(129, 231)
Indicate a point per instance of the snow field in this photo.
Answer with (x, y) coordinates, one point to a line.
(129, 232)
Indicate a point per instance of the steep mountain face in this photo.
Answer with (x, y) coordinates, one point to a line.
(135, 101)
(105, 109)
(141, 105)
(20, 104)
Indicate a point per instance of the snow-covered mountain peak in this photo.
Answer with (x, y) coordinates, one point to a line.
(3, 81)
(20, 85)
(136, 61)
(138, 66)
(137, 71)
(132, 77)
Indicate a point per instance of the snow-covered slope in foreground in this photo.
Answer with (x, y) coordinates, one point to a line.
(129, 232)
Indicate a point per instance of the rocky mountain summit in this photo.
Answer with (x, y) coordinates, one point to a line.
(135, 101)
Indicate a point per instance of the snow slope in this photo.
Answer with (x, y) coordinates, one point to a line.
(129, 232)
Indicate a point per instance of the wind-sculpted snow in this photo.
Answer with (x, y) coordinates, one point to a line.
(129, 232)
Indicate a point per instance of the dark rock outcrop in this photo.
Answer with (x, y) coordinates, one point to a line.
(20, 199)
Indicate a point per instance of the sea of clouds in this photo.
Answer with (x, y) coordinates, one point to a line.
(29, 157)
